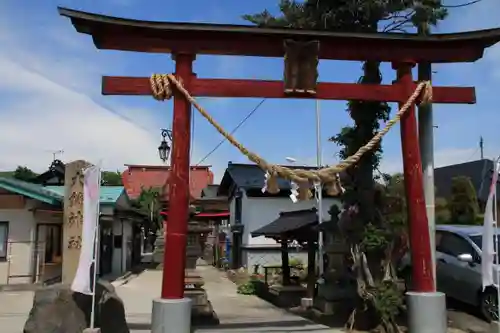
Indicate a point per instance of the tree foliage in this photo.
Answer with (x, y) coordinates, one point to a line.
(464, 207)
(24, 173)
(395, 188)
(111, 178)
(149, 203)
(352, 15)
(442, 211)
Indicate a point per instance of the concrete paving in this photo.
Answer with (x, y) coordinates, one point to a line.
(244, 313)
(14, 310)
(237, 313)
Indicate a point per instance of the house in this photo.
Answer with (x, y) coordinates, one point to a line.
(251, 209)
(30, 232)
(53, 176)
(31, 240)
(136, 177)
(480, 173)
(120, 230)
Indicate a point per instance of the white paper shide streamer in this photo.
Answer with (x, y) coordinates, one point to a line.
(490, 234)
(85, 274)
(264, 188)
(294, 192)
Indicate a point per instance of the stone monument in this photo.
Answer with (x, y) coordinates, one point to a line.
(337, 287)
(73, 219)
(56, 308)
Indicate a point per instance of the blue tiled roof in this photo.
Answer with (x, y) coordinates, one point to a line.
(108, 194)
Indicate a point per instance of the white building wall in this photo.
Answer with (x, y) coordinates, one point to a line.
(260, 211)
(20, 250)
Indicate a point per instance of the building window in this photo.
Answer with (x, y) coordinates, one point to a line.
(237, 207)
(4, 239)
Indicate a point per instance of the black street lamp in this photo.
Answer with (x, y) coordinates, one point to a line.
(164, 148)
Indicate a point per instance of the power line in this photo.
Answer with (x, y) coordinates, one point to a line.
(473, 154)
(232, 132)
(90, 97)
(462, 4)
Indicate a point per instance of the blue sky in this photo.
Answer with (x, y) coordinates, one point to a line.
(50, 92)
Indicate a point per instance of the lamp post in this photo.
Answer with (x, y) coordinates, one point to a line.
(164, 148)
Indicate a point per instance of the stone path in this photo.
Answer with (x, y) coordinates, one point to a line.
(237, 313)
(243, 313)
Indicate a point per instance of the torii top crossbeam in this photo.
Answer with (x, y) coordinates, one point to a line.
(195, 38)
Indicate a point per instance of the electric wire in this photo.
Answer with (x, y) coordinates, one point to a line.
(232, 132)
(462, 4)
(472, 155)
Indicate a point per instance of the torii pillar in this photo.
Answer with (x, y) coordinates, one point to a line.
(173, 308)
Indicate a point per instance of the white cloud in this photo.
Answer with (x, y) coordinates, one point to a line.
(52, 116)
(47, 103)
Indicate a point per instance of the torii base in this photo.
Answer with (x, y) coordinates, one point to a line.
(426, 312)
(171, 316)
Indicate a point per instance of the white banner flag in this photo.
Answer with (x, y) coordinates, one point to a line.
(85, 273)
(489, 233)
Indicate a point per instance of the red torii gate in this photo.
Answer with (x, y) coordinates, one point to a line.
(185, 40)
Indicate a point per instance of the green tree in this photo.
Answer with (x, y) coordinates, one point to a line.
(149, 203)
(111, 178)
(24, 173)
(374, 233)
(464, 207)
(442, 211)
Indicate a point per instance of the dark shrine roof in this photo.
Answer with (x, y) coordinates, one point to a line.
(53, 176)
(168, 37)
(480, 173)
(288, 223)
(210, 192)
(251, 178)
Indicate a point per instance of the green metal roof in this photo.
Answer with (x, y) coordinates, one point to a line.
(34, 191)
(108, 195)
(54, 195)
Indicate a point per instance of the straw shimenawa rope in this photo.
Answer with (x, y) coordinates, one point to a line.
(161, 87)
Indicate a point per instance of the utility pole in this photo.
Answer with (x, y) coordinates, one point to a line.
(426, 141)
(481, 147)
(423, 307)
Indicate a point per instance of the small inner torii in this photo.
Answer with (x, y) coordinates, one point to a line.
(301, 50)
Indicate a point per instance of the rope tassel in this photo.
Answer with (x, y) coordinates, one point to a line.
(272, 183)
(305, 192)
(335, 188)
